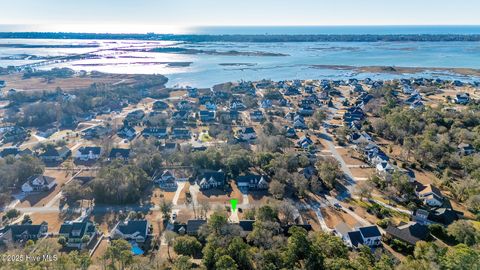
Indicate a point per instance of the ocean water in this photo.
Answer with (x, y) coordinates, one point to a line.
(249, 30)
(210, 63)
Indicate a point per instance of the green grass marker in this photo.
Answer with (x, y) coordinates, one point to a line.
(233, 202)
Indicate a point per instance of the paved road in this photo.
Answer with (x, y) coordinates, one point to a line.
(401, 210)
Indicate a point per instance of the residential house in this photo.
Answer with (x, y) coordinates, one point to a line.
(252, 182)
(384, 169)
(237, 105)
(159, 105)
(135, 117)
(369, 236)
(166, 180)
(359, 138)
(206, 116)
(246, 134)
(88, 153)
(353, 114)
(119, 153)
(181, 134)
(306, 110)
(430, 195)
(457, 83)
(444, 216)
(157, 132)
(39, 182)
(465, 149)
(462, 98)
(211, 106)
(256, 116)
(15, 152)
(55, 154)
(290, 132)
(284, 102)
(180, 115)
(291, 91)
(183, 105)
(357, 88)
(192, 92)
(414, 97)
(78, 234)
(46, 132)
(194, 225)
(266, 104)
(299, 122)
(407, 89)
(417, 104)
(127, 132)
(14, 134)
(208, 179)
(305, 142)
(96, 132)
(23, 232)
(409, 233)
(170, 147)
(131, 230)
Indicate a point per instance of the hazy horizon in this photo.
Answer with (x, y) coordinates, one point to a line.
(185, 13)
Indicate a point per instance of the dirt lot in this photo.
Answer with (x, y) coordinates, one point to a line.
(310, 218)
(159, 195)
(362, 172)
(53, 219)
(334, 217)
(345, 153)
(15, 81)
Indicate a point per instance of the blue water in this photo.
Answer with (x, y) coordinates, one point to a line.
(335, 30)
(308, 60)
(253, 30)
(136, 250)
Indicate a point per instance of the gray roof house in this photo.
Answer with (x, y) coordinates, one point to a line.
(131, 230)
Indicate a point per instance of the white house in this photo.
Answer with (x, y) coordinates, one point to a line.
(88, 153)
(167, 180)
(369, 236)
(208, 179)
(39, 183)
(430, 195)
(255, 182)
(384, 169)
(247, 134)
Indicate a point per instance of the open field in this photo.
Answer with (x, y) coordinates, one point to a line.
(15, 81)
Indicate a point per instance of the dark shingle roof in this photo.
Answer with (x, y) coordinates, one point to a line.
(87, 149)
(82, 227)
(19, 229)
(246, 225)
(119, 152)
(133, 226)
(410, 233)
(193, 225)
(355, 238)
(370, 231)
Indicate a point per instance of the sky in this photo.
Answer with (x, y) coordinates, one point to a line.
(125, 14)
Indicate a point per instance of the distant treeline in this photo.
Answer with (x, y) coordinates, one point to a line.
(245, 38)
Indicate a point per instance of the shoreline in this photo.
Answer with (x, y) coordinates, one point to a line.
(247, 37)
(402, 70)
